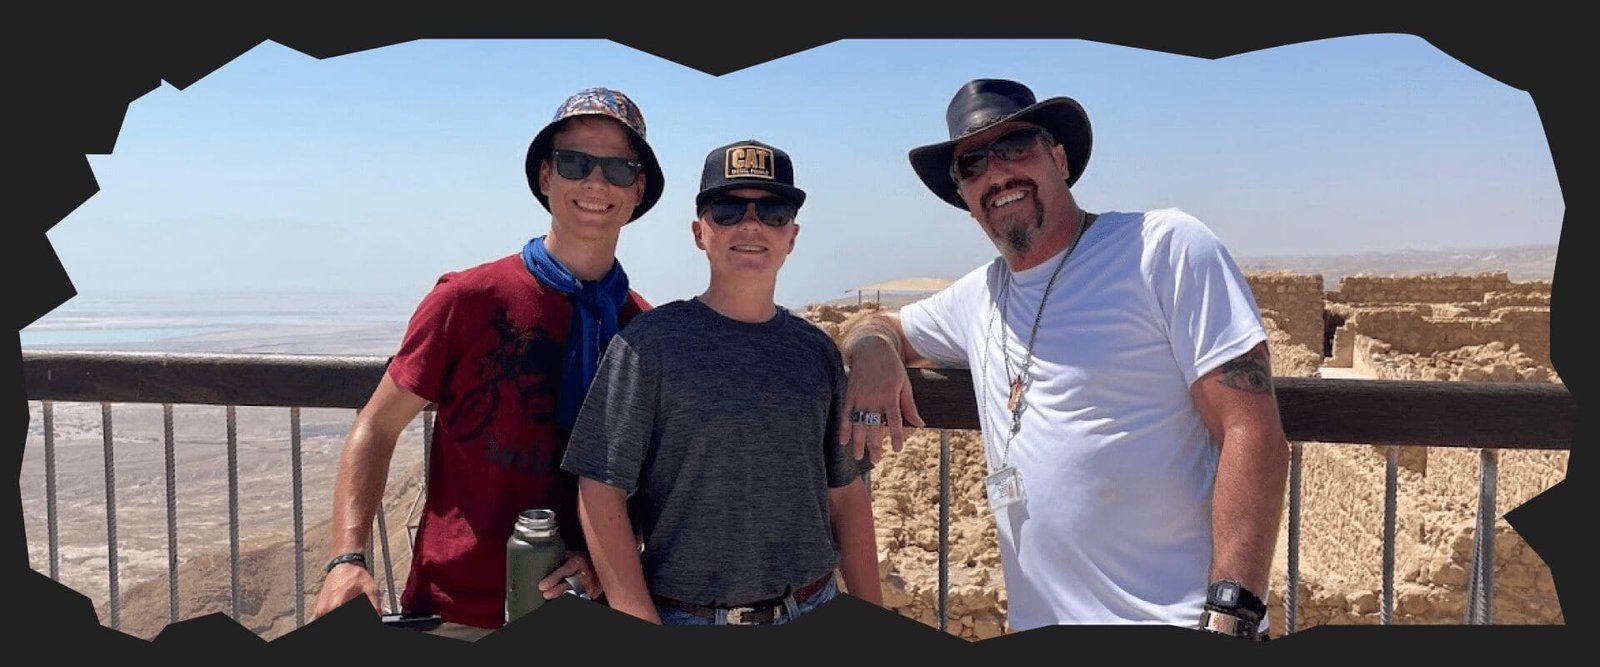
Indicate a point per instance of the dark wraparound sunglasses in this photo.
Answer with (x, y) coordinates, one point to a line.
(771, 211)
(576, 166)
(1011, 146)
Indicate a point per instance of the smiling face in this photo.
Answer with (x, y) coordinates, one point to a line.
(590, 207)
(1020, 199)
(749, 248)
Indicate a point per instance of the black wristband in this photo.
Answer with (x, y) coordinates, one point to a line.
(352, 557)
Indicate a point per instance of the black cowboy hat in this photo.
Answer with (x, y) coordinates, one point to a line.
(984, 103)
(607, 103)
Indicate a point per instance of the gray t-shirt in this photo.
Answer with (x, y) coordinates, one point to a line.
(724, 435)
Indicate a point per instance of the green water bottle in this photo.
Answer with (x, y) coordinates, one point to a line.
(533, 552)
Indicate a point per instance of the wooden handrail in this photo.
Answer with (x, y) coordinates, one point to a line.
(1513, 415)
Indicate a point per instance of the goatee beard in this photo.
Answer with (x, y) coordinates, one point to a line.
(1019, 235)
(1019, 239)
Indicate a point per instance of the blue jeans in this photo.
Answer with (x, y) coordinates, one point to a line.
(791, 609)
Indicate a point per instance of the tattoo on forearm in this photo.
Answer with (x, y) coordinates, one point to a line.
(868, 328)
(1250, 372)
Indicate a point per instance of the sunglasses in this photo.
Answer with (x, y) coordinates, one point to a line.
(1011, 147)
(576, 166)
(771, 211)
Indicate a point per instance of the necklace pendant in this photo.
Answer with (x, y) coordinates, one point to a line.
(1016, 395)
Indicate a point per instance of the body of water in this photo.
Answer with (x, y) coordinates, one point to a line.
(142, 321)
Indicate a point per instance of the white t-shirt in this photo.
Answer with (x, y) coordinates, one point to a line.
(1115, 462)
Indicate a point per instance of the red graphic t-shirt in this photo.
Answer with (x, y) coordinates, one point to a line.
(486, 345)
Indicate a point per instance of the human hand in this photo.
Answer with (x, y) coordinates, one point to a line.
(345, 582)
(877, 398)
(577, 564)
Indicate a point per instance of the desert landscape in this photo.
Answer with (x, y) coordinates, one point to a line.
(1471, 327)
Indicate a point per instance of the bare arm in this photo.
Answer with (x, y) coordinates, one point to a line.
(358, 488)
(1240, 410)
(614, 549)
(877, 353)
(885, 327)
(851, 511)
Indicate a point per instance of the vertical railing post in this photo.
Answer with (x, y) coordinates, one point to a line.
(233, 511)
(1291, 597)
(1480, 598)
(944, 529)
(170, 454)
(299, 520)
(51, 528)
(382, 539)
(1391, 484)
(111, 515)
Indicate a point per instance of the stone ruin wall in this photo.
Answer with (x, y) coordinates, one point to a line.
(1449, 328)
(1413, 330)
(1436, 508)
(1341, 548)
(1424, 314)
(1489, 362)
(1527, 298)
(1364, 289)
(1294, 301)
(1289, 359)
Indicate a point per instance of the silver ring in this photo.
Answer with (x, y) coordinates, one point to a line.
(577, 586)
(868, 418)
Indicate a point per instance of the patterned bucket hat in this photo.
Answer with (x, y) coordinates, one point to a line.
(611, 104)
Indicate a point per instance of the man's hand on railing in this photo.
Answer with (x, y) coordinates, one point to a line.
(344, 582)
(877, 397)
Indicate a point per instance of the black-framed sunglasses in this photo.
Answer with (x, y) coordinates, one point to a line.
(771, 211)
(576, 166)
(1011, 146)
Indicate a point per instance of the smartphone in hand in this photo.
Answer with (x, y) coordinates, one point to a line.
(413, 621)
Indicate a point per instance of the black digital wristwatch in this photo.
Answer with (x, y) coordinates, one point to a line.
(1231, 609)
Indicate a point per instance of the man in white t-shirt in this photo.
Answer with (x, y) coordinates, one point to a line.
(1136, 459)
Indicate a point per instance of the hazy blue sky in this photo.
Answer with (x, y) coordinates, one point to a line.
(377, 171)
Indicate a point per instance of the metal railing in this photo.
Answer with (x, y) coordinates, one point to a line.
(1486, 415)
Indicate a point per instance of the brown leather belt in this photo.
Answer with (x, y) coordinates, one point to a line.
(764, 611)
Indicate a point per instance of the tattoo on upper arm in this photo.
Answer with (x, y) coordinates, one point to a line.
(1249, 372)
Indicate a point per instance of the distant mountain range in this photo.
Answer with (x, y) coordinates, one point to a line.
(1521, 263)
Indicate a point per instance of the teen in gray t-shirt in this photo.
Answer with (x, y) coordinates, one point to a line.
(710, 431)
(721, 433)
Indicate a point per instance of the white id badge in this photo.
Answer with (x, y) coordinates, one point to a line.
(1005, 488)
